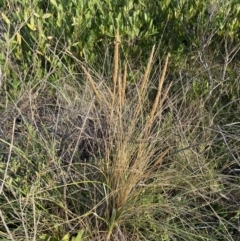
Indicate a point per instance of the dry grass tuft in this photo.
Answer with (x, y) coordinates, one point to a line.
(130, 157)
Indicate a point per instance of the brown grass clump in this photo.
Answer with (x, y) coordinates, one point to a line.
(130, 156)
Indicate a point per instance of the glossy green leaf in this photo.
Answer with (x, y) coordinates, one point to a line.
(6, 19)
(46, 15)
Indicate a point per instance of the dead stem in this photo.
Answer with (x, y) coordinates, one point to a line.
(124, 84)
(115, 63)
(147, 72)
(155, 104)
(89, 77)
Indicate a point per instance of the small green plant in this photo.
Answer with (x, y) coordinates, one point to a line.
(79, 237)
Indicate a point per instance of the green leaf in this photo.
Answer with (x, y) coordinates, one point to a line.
(79, 236)
(46, 237)
(66, 237)
(36, 14)
(54, 2)
(32, 27)
(19, 38)
(6, 19)
(47, 15)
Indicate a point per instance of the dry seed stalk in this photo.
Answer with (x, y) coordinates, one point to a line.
(150, 120)
(89, 77)
(115, 69)
(145, 78)
(143, 84)
(120, 91)
(115, 63)
(165, 95)
(124, 84)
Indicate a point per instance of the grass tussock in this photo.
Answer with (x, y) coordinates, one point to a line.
(104, 161)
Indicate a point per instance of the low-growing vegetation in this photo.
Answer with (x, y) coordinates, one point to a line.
(126, 134)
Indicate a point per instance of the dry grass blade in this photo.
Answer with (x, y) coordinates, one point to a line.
(9, 156)
(157, 162)
(120, 91)
(147, 72)
(153, 111)
(124, 84)
(141, 96)
(116, 60)
(123, 195)
(6, 227)
(143, 84)
(165, 95)
(89, 77)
